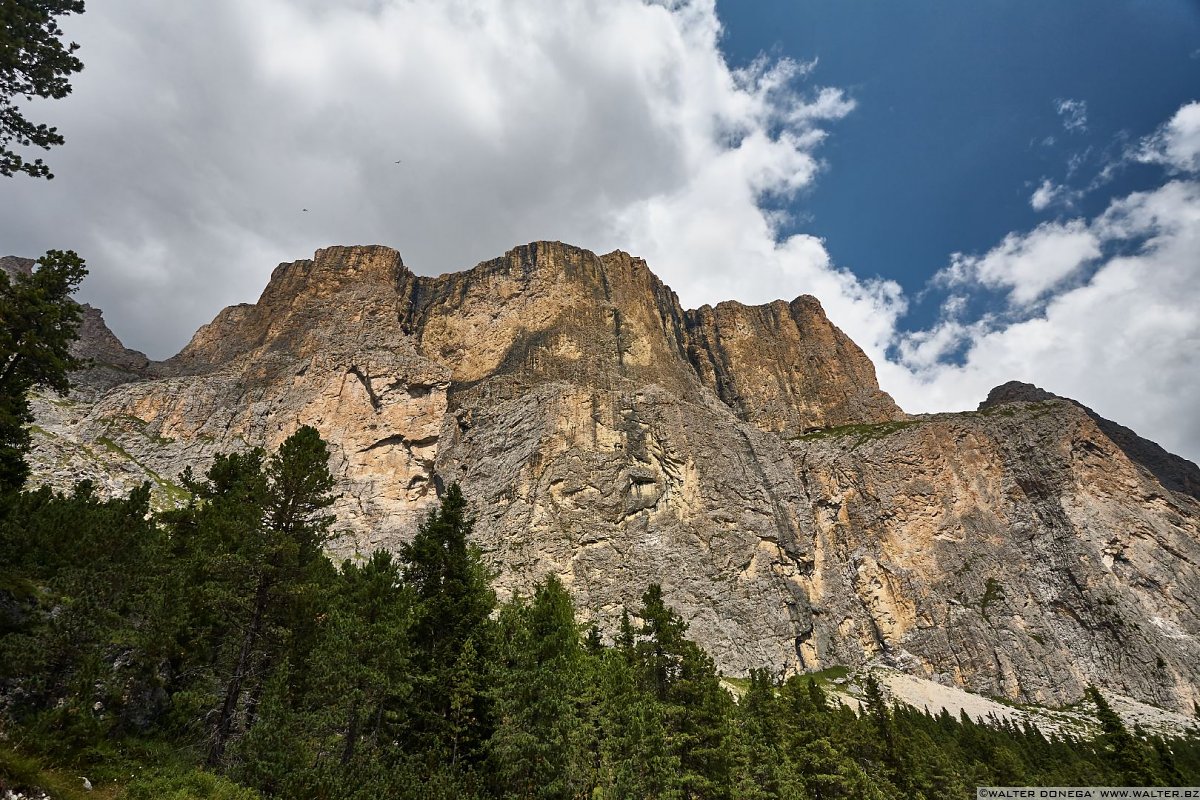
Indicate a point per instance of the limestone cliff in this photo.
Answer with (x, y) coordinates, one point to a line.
(743, 457)
(785, 367)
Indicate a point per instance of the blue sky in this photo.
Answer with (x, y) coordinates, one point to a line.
(957, 119)
(976, 191)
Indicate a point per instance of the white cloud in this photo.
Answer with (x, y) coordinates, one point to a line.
(1177, 143)
(196, 136)
(1048, 193)
(1125, 342)
(197, 133)
(1073, 114)
(1028, 265)
(1044, 195)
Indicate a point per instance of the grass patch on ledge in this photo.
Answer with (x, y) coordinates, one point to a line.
(829, 674)
(174, 494)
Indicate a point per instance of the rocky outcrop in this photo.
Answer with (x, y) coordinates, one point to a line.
(1175, 473)
(1016, 551)
(743, 457)
(322, 347)
(108, 362)
(12, 266)
(785, 367)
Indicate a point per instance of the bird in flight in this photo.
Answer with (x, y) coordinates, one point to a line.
(304, 209)
(399, 161)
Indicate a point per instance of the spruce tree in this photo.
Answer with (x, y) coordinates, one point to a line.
(1129, 755)
(542, 741)
(451, 634)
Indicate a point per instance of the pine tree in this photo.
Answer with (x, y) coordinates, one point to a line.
(764, 770)
(33, 63)
(820, 743)
(93, 564)
(1129, 755)
(877, 710)
(542, 742)
(683, 680)
(252, 543)
(38, 323)
(635, 757)
(357, 681)
(451, 634)
(1166, 762)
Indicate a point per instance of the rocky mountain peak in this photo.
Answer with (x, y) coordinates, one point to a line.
(548, 311)
(1015, 392)
(109, 362)
(1173, 472)
(306, 306)
(785, 367)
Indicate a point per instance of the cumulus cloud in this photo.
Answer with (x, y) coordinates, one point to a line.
(1073, 114)
(1048, 194)
(198, 134)
(1044, 195)
(1125, 341)
(1177, 143)
(1027, 265)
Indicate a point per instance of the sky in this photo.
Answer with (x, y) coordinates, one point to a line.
(976, 192)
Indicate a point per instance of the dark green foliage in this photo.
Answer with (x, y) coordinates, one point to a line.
(38, 322)
(1130, 756)
(66, 641)
(33, 63)
(219, 636)
(635, 757)
(250, 548)
(542, 743)
(452, 637)
(764, 767)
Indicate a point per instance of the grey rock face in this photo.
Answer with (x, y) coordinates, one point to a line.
(1016, 551)
(743, 457)
(1175, 473)
(15, 265)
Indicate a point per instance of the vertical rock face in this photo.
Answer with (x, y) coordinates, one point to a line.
(784, 366)
(1174, 473)
(1017, 551)
(743, 457)
(550, 312)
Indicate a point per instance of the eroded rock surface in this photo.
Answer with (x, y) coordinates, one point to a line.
(743, 457)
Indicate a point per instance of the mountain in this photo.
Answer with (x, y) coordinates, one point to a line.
(742, 456)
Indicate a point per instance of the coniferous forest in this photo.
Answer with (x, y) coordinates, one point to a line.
(216, 651)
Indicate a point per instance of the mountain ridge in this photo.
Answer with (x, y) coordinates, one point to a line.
(742, 456)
